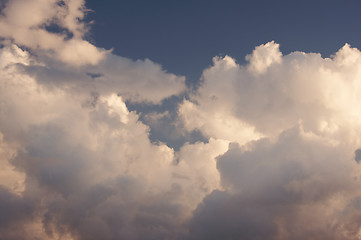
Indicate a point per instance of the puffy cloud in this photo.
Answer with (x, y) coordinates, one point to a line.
(54, 30)
(296, 187)
(10, 179)
(263, 57)
(141, 81)
(78, 164)
(138, 81)
(29, 24)
(292, 171)
(319, 92)
(216, 124)
(277, 157)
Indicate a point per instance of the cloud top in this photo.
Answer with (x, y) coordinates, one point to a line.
(28, 23)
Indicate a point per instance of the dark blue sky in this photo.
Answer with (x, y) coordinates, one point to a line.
(184, 35)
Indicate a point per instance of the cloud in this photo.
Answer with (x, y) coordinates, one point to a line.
(298, 186)
(290, 172)
(79, 165)
(300, 87)
(263, 57)
(277, 155)
(27, 23)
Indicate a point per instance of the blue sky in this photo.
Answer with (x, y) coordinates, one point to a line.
(184, 36)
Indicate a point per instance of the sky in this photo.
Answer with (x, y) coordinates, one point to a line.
(180, 120)
(185, 35)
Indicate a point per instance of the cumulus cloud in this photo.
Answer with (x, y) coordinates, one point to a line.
(141, 81)
(277, 157)
(263, 57)
(54, 33)
(292, 170)
(79, 165)
(319, 92)
(27, 23)
(296, 187)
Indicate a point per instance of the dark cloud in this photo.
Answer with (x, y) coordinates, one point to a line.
(95, 75)
(358, 155)
(224, 216)
(273, 188)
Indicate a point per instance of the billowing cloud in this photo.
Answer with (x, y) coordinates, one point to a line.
(55, 30)
(277, 157)
(28, 23)
(322, 93)
(296, 187)
(292, 171)
(75, 153)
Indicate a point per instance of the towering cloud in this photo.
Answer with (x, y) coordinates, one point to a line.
(78, 163)
(292, 171)
(280, 160)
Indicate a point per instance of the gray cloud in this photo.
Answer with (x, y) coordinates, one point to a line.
(297, 187)
(15, 211)
(224, 216)
(358, 155)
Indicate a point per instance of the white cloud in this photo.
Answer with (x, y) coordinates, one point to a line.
(298, 177)
(263, 57)
(25, 22)
(81, 164)
(320, 93)
(138, 81)
(216, 124)
(278, 161)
